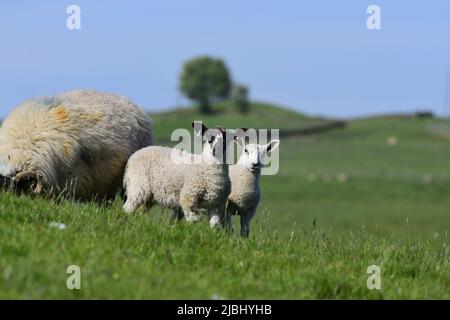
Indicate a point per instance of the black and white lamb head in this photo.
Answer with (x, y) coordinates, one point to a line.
(215, 144)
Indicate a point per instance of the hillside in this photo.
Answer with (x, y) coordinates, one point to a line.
(349, 177)
(262, 115)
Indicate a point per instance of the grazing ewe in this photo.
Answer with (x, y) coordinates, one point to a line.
(153, 177)
(76, 143)
(245, 194)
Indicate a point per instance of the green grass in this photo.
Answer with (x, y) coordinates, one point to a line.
(386, 185)
(313, 237)
(142, 256)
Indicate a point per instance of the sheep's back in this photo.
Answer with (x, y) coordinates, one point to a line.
(81, 135)
(153, 170)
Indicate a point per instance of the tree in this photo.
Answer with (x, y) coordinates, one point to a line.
(239, 96)
(205, 79)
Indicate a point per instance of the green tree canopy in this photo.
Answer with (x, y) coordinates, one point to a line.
(205, 79)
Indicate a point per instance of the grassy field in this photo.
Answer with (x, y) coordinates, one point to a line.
(376, 192)
(262, 116)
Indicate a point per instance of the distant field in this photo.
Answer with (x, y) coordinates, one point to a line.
(348, 178)
(376, 192)
(351, 178)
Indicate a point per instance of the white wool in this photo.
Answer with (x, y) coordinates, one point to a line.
(153, 177)
(245, 192)
(77, 141)
(6, 170)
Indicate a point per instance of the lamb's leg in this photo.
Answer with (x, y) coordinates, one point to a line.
(214, 220)
(229, 222)
(230, 210)
(189, 212)
(220, 218)
(177, 215)
(245, 226)
(246, 217)
(191, 216)
(188, 203)
(134, 201)
(132, 205)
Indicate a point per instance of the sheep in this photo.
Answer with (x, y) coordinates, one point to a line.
(153, 177)
(244, 175)
(75, 143)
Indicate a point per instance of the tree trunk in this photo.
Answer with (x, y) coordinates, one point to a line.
(205, 106)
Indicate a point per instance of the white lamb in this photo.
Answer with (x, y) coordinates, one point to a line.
(152, 177)
(76, 142)
(245, 192)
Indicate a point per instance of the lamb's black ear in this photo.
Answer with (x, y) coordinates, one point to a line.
(239, 133)
(239, 136)
(221, 129)
(199, 127)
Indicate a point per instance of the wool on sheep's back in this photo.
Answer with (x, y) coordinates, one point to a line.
(78, 141)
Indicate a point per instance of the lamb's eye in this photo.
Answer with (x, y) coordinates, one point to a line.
(246, 151)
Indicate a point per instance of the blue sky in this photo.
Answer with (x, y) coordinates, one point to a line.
(313, 56)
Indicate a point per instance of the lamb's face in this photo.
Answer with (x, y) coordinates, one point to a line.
(251, 157)
(253, 154)
(215, 146)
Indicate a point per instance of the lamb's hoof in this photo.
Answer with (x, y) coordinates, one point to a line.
(127, 208)
(193, 218)
(214, 222)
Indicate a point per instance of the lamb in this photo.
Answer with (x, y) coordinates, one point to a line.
(244, 175)
(152, 177)
(75, 143)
